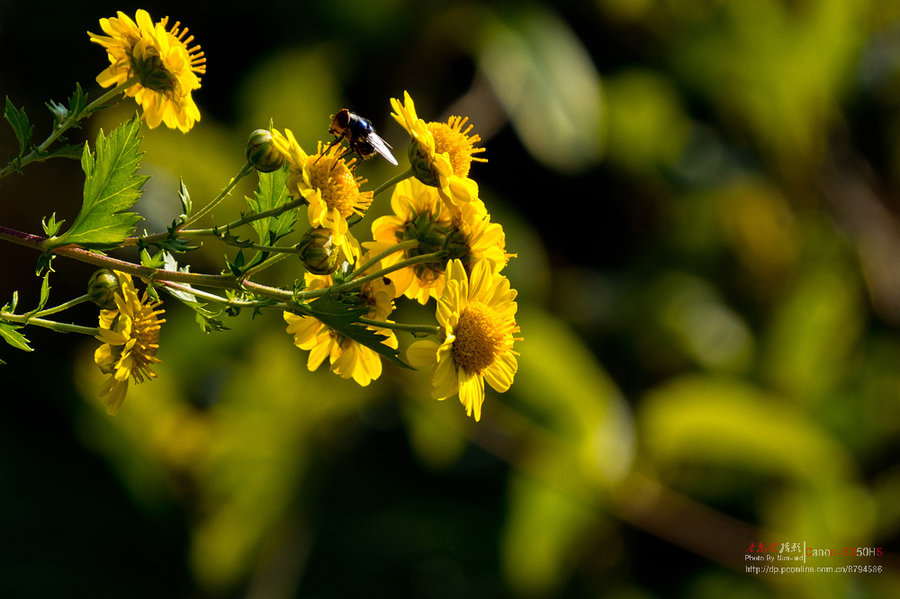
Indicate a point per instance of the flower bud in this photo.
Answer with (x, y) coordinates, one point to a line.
(318, 252)
(102, 288)
(421, 166)
(262, 152)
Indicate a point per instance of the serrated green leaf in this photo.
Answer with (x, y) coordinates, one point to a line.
(111, 187)
(13, 337)
(207, 319)
(178, 246)
(157, 260)
(67, 151)
(45, 291)
(271, 193)
(343, 318)
(78, 100)
(237, 265)
(18, 120)
(185, 198)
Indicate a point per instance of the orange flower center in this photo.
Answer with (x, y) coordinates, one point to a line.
(478, 340)
(450, 137)
(338, 186)
(146, 337)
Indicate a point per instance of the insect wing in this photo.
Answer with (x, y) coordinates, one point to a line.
(381, 146)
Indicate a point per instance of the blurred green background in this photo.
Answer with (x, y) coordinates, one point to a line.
(703, 196)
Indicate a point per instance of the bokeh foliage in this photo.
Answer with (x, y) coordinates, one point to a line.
(702, 196)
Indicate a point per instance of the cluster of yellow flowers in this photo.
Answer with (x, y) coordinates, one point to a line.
(436, 209)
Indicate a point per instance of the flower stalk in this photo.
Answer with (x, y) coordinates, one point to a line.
(59, 327)
(39, 154)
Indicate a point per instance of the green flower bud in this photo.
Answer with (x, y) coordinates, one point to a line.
(420, 163)
(262, 153)
(102, 288)
(318, 252)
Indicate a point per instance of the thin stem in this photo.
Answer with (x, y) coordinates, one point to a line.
(430, 329)
(268, 262)
(37, 155)
(249, 218)
(403, 245)
(218, 298)
(246, 169)
(392, 181)
(99, 102)
(270, 292)
(271, 249)
(351, 285)
(214, 231)
(59, 327)
(61, 307)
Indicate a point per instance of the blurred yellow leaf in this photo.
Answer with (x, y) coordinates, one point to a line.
(541, 536)
(548, 85)
(727, 422)
(816, 328)
(646, 126)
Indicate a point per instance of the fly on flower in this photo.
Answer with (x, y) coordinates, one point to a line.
(360, 136)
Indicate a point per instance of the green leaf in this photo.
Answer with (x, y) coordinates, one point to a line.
(51, 226)
(78, 100)
(207, 319)
(44, 262)
(13, 337)
(45, 291)
(77, 103)
(545, 525)
(237, 266)
(545, 79)
(157, 260)
(342, 317)
(185, 198)
(67, 151)
(111, 187)
(18, 120)
(730, 423)
(270, 194)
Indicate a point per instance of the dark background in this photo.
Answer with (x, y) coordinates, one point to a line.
(703, 200)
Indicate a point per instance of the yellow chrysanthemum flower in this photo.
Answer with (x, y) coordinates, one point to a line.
(327, 183)
(130, 336)
(348, 359)
(419, 213)
(441, 153)
(162, 62)
(477, 315)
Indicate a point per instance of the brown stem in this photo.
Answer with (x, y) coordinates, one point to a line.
(35, 242)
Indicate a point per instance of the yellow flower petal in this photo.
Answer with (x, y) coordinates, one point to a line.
(422, 353)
